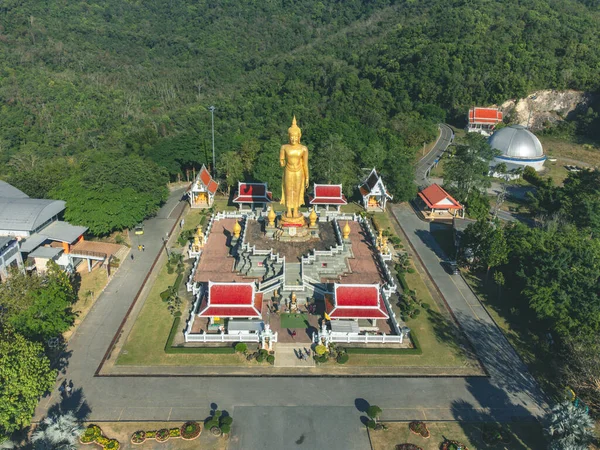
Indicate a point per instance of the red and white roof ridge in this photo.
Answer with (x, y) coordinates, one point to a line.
(328, 194)
(436, 196)
(206, 180)
(248, 193)
(370, 305)
(229, 300)
(485, 115)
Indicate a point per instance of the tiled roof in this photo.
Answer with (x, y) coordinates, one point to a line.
(434, 195)
(252, 193)
(485, 115)
(232, 300)
(212, 186)
(328, 194)
(205, 177)
(356, 301)
(370, 183)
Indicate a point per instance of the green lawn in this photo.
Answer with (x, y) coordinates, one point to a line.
(294, 321)
(522, 436)
(146, 341)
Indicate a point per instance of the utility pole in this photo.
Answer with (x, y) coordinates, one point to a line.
(212, 115)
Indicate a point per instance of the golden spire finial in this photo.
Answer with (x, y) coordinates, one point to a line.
(271, 217)
(313, 218)
(346, 230)
(237, 229)
(294, 129)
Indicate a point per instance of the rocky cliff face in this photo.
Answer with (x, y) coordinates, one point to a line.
(546, 107)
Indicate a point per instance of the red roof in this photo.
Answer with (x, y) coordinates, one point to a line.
(205, 176)
(356, 301)
(232, 300)
(212, 186)
(253, 193)
(436, 197)
(479, 115)
(328, 194)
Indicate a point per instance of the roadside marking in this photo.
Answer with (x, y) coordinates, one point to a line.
(170, 411)
(120, 414)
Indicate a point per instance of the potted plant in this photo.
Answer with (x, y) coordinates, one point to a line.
(138, 437)
(162, 435)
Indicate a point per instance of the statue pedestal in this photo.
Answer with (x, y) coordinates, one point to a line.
(294, 233)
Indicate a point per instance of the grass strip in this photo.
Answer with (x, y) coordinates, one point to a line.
(389, 351)
(191, 350)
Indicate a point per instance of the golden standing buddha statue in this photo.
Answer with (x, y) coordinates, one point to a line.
(293, 157)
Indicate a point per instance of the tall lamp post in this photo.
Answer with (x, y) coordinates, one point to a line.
(212, 115)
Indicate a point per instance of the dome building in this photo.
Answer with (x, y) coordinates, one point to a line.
(519, 147)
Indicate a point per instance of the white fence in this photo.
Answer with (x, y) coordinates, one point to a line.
(368, 339)
(242, 337)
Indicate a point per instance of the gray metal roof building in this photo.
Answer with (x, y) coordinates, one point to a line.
(9, 191)
(27, 214)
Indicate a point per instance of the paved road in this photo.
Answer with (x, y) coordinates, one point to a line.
(424, 165)
(507, 371)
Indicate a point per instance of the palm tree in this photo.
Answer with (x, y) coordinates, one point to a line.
(57, 433)
(570, 428)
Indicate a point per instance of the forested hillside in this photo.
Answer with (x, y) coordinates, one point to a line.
(368, 80)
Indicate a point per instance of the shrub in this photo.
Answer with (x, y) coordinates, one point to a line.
(419, 427)
(342, 358)
(408, 447)
(395, 240)
(190, 430)
(91, 433)
(241, 347)
(226, 420)
(425, 306)
(260, 358)
(175, 432)
(452, 445)
(321, 358)
(320, 349)
(411, 270)
(112, 444)
(162, 435)
(416, 312)
(225, 429)
(138, 437)
(262, 352)
(271, 359)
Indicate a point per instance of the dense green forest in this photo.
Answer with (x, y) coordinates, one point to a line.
(368, 80)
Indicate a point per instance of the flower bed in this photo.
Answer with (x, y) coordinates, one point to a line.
(419, 428)
(452, 445)
(408, 447)
(188, 431)
(93, 435)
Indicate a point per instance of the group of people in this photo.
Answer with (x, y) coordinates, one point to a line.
(303, 354)
(142, 248)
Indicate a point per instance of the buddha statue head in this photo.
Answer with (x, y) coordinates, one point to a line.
(294, 132)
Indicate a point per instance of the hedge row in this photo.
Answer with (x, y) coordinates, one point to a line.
(191, 350)
(403, 283)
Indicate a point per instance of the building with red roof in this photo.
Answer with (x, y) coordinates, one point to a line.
(254, 194)
(438, 204)
(201, 193)
(483, 120)
(374, 193)
(326, 195)
(354, 302)
(231, 300)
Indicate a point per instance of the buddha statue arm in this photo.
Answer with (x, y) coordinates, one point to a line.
(282, 156)
(305, 166)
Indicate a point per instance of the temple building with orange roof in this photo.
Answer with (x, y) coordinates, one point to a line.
(255, 195)
(201, 193)
(483, 120)
(437, 204)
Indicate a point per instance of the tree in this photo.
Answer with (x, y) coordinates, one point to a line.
(467, 170)
(57, 432)
(582, 371)
(569, 427)
(231, 168)
(248, 152)
(486, 243)
(25, 375)
(333, 163)
(374, 412)
(266, 168)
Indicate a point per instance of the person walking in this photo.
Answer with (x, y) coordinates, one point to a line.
(143, 248)
(69, 388)
(139, 247)
(294, 334)
(132, 256)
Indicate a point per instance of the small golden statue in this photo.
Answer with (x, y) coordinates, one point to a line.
(197, 244)
(384, 245)
(346, 231)
(313, 218)
(271, 216)
(237, 229)
(379, 241)
(294, 158)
